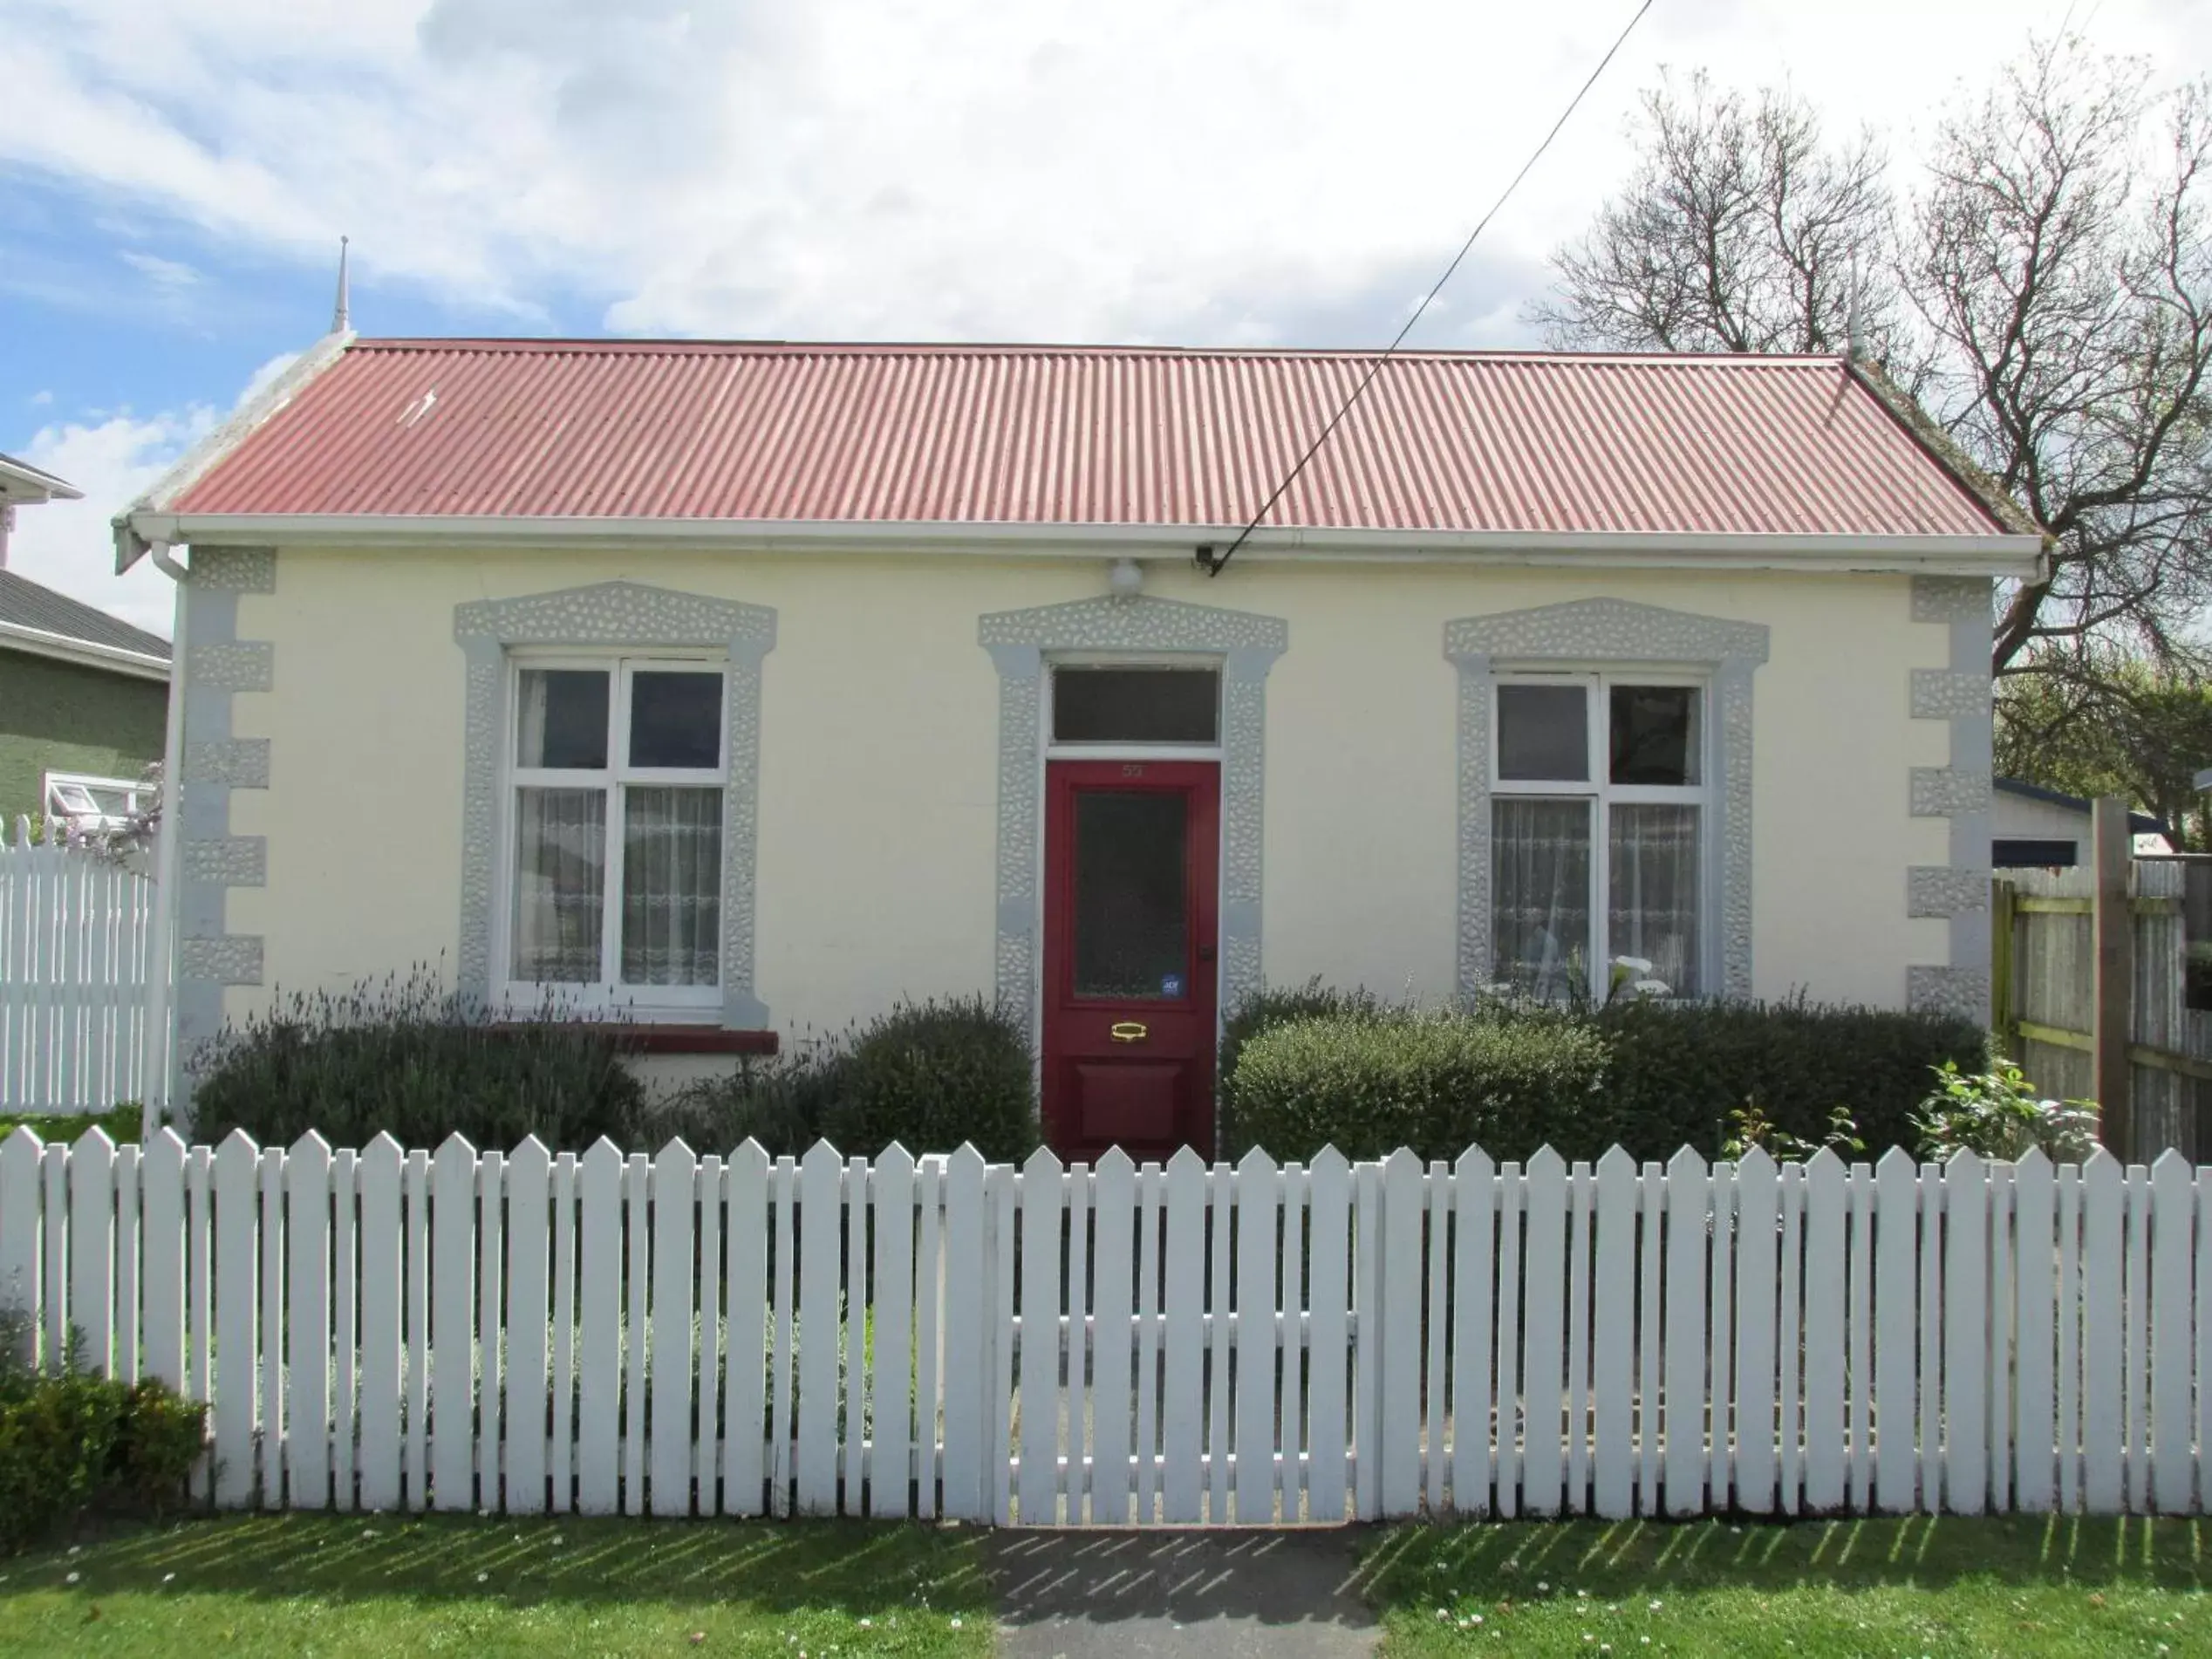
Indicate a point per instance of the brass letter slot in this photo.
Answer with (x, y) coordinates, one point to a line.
(1130, 1031)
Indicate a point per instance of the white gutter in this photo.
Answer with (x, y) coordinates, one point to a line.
(1987, 554)
(164, 1066)
(86, 653)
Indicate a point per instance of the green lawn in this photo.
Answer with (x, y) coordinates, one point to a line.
(376, 1585)
(1932, 1586)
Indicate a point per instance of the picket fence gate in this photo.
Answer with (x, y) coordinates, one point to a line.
(75, 940)
(1115, 1345)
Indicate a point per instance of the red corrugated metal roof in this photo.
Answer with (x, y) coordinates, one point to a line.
(1475, 441)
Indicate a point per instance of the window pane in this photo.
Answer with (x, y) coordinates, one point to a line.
(672, 886)
(1540, 854)
(1544, 733)
(1651, 911)
(1655, 735)
(560, 884)
(1132, 922)
(1136, 706)
(676, 720)
(563, 721)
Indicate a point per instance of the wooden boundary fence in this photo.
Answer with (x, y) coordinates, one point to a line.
(680, 1335)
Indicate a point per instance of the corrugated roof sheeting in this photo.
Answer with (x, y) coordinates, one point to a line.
(1072, 435)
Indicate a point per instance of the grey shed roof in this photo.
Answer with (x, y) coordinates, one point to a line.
(27, 605)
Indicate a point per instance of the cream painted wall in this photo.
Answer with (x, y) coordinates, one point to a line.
(880, 747)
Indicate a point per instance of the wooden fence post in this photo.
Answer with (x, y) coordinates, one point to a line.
(2113, 1024)
(2004, 1006)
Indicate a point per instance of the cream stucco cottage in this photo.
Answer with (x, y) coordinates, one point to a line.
(738, 689)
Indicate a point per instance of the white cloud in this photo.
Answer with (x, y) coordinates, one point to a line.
(113, 458)
(163, 273)
(40, 397)
(1221, 169)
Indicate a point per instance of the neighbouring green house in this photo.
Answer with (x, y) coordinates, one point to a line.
(83, 696)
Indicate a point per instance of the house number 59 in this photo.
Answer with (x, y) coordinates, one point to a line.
(1133, 771)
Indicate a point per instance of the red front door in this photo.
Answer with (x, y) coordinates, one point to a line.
(1131, 892)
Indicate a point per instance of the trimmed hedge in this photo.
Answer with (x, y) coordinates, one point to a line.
(929, 1076)
(417, 1062)
(1670, 1074)
(1368, 1083)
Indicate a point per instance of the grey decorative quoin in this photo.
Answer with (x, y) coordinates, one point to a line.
(612, 616)
(1597, 632)
(1020, 642)
(217, 665)
(1958, 891)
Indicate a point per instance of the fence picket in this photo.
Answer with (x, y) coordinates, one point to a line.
(1689, 1187)
(1581, 1197)
(1040, 1340)
(1966, 1268)
(237, 1301)
(1613, 1375)
(1474, 1240)
(1896, 1252)
(2104, 1200)
(967, 1479)
(162, 1275)
(91, 1248)
(1257, 1221)
(891, 1391)
(2135, 1346)
(1220, 1224)
(1758, 1216)
(530, 1328)
(1328, 1292)
(2069, 1322)
(1859, 1286)
(273, 1421)
(600, 1332)
(1182, 1402)
(2173, 1247)
(637, 1324)
(21, 1232)
(745, 1276)
(345, 1296)
(706, 1452)
(820, 1175)
(491, 1303)
(1651, 1183)
(1543, 1367)
(382, 1333)
(852, 1432)
(1828, 1435)
(561, 1477)
(1435, 1328)
(453, 1326)
(1114, 1380)
(675, 1179)
(2035, 1334)
(307, 1325)
(1506, 1475)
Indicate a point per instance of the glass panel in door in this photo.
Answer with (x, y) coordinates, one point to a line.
(1132, 895)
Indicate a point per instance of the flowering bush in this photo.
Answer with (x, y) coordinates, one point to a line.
(1997, 1114)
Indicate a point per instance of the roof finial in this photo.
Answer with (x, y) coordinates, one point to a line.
(1855, 342)
(342, 314)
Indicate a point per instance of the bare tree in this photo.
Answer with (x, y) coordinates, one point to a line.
(2049, 297)
(1740, 231)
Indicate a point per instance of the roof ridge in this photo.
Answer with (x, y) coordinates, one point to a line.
(627, 345)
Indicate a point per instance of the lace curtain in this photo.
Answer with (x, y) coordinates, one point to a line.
(1651, 908)
(1539, 894)
(672, 885)
(561, 869)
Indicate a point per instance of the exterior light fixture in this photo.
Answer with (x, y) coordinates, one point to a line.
(1125, 579)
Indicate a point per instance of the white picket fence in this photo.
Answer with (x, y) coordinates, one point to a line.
(75, 937)
(677, 1336)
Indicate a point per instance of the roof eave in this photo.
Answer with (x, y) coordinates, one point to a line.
(85, 653)
(130, 545)
(1995, 554)
(1941, 449)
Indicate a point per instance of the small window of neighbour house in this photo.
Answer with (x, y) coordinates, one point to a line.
(90, 802)
(616, 816)
(1598, 816)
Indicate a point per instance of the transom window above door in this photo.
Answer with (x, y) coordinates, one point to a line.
(1599, 812)
(615, 807)
(1136, 703)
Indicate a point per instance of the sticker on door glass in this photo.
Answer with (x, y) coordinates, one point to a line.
(1170, 984)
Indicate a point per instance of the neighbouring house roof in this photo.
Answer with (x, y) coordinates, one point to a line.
(1516, 445)
(34, 617)
(2140, 823)
(21, 482)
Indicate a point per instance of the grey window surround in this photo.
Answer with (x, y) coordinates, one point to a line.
(613, 616)
(1021, 642)
(1602, 633)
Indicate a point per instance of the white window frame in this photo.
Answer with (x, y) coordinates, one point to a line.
(608, 995)
(1604, 795)
(92, 818)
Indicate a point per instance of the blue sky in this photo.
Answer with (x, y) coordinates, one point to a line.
(175, 175)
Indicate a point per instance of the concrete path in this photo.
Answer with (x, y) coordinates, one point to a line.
(1159, 1594)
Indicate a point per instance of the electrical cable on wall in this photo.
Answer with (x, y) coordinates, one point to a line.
(1209, 561)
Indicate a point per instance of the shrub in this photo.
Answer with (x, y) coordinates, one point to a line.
(419, 1062)
(1368, 1081)
(929, 1076)
(1998, 1115)
(1680, 1070)
(1263, 1012)
(72, 1442)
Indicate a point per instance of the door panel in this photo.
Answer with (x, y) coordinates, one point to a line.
(1132, 897)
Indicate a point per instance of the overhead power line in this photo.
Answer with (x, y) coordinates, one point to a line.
(1212, 561)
